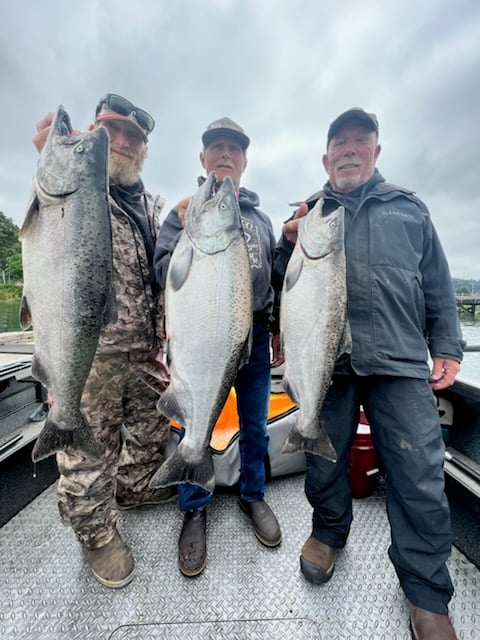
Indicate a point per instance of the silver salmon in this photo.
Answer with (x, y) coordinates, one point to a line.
(67, 267)
(208, 308)
(313, 324)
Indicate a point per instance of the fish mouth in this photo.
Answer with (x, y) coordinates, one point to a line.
(63, 194)
(62, 125)
(209, 189)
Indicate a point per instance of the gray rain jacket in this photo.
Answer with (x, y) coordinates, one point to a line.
(401, 302)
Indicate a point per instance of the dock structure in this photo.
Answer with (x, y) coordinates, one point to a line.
(467, 303)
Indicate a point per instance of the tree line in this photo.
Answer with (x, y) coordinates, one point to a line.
(10, 251)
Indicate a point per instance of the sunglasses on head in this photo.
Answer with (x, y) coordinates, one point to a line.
(123, 107)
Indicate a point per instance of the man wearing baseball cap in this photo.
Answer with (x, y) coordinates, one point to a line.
(401, 308)
(224, 152)
(119, 407)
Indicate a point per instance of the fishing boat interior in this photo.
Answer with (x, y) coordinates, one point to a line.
(247, 591)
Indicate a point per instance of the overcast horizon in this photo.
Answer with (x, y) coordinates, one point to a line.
(282, 69)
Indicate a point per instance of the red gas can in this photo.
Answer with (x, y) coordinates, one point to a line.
(363, 462)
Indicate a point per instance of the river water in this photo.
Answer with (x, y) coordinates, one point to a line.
(470, 328)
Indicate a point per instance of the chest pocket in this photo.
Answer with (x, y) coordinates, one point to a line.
(395, 238)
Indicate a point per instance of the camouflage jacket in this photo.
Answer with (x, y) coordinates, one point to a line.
(137, 313)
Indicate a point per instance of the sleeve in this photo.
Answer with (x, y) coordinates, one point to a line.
(281, 256)
(444, 335)
(167, 240)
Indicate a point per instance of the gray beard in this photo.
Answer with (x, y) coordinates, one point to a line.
(124, 171)
(347, 184)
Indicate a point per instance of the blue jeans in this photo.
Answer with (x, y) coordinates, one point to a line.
(407, 437)
(252, 386)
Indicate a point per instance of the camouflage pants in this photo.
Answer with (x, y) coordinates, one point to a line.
(121, 411)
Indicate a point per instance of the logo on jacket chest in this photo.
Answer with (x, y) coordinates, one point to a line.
(252, 238)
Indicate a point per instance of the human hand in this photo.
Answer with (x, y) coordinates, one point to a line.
(181, 208)
(290, 228)
(444, 372)
(277, 352)
(43, 129)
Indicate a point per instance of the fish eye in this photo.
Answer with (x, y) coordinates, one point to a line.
(223, 205)
(79, 148)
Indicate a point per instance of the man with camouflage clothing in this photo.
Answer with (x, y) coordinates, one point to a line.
(120, 408)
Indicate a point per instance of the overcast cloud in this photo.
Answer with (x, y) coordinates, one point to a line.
(282, 69)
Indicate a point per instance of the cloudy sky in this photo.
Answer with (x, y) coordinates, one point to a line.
(283, 69)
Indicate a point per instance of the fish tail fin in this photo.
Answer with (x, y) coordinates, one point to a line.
(320, 445)
(52, 439)
(176, 470)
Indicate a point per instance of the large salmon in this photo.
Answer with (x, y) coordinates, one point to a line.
(67, 268)
(208, 307)
(313, 324)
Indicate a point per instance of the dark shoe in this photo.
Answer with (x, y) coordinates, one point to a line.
(265, 524)
(192, 544)
(317, 561)
(151, 497)
(426, 625)
(113, 564)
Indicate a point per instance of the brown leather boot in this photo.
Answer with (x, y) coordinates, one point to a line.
(426, 625)
(317, 561)
(265, 524)
(192, 544)
(112, 565)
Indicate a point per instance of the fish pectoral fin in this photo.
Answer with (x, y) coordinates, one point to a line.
(33, 211)
(176, 470)
(294, 269)
(180, 267)
(25, 317)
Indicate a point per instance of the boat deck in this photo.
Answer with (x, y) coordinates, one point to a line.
(247, 592)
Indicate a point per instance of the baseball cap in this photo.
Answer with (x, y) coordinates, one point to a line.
(225, 127)
(351, 115)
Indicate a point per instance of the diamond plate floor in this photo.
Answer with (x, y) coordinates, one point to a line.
(248, 592)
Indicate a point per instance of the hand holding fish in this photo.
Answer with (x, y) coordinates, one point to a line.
(444, 372)
(290, 228)
(277, 352)
(181, 208)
